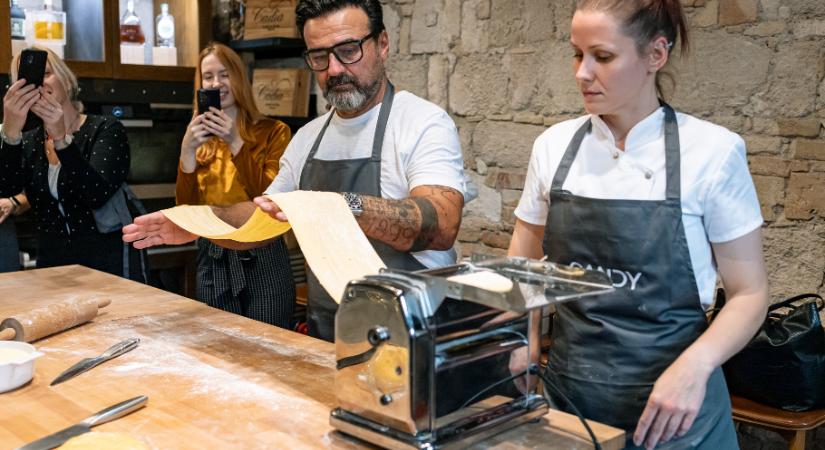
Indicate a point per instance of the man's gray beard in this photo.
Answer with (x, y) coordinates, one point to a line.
(346, 101)
(353, 99)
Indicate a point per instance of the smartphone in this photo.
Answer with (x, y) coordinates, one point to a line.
(33, 69)
(32, 66)
(207, 98)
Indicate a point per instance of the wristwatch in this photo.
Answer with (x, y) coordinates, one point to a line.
(354, 202)
(67, 139)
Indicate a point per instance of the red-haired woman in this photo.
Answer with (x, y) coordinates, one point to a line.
(230, 155)
(662, 202)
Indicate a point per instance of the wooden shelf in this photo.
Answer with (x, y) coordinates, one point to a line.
(270, 47)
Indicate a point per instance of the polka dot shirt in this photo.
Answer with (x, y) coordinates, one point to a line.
(92, 169)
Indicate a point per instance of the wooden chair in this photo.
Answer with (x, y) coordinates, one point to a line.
(793, 426)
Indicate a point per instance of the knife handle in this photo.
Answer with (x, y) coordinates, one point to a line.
(116, 411)
(119, 349)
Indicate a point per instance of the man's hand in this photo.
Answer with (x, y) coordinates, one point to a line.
(674, 402)
(155, 229)
(270, 207)
(16, 104)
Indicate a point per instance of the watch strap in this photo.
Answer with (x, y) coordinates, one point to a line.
(356, 205)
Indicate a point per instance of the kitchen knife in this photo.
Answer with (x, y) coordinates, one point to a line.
(87, 363)
(108, 414)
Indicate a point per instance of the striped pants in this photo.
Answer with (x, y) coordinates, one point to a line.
(255, 283)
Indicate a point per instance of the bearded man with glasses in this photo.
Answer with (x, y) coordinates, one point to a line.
(395, 157)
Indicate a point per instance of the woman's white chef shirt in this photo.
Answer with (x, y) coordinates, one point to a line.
(719, 200)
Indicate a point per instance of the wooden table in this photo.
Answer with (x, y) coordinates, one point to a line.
(214, 379)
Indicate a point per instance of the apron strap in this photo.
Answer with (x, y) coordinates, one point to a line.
(672, 156)
(381, 127)
(317, 143)
(570, 156)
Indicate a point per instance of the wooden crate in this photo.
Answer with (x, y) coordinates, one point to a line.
(270, 18)
(282, 92)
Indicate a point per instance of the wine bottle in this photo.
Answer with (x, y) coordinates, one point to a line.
(18, 21)
(165, 27)
(130, 30)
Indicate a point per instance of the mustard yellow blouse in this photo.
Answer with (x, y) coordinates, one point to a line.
(226, 180)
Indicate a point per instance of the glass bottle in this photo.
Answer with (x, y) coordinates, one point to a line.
(165, 27)
(48, 23)
(130, 30)
(236, 19)
(18, 21)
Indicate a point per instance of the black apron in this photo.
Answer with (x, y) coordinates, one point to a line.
(361, 176)
(609, 350)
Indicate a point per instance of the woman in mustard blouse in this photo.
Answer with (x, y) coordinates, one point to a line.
(230, 155)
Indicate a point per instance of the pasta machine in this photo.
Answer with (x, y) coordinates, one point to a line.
(422, 357)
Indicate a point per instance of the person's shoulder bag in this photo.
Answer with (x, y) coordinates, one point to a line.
(784, 364)
(114, 215)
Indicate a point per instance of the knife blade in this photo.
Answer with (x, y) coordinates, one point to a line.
(88, 363)
(111, 413)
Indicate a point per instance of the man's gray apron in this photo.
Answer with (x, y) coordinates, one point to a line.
(362, 176)
(608, 351)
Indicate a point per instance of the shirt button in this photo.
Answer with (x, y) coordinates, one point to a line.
(648, 174)
(615, 155)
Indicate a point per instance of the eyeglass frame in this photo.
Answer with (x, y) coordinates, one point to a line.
(331, 50)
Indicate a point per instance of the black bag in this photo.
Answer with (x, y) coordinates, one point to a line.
(784, 364)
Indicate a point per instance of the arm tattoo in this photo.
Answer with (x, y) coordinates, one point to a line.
(429, 219)
(429, 225)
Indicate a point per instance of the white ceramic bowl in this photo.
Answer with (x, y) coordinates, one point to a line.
(19, 371)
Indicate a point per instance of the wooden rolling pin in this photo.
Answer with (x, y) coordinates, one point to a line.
(41, 322)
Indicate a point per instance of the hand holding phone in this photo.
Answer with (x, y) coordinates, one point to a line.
(17, 104)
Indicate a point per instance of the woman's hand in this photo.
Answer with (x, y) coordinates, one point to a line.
(675, 400)
(519, 362)
(50, 110)
(6, 209)
(17, 102)
(223, 126)
(195, 136)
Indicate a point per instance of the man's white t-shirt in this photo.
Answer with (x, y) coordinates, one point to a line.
(719, 200)
(421, 147)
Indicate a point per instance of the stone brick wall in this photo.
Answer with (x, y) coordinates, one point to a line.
(502, 69)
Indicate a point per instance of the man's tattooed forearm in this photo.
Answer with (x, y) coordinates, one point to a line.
(427, 220)
(428, 231)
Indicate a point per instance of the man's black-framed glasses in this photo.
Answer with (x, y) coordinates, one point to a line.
(347, 52)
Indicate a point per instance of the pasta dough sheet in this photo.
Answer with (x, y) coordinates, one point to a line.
(490, 281)
(202, 221)
(333, 244)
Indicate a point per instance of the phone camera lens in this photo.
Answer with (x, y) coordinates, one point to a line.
(30, 59)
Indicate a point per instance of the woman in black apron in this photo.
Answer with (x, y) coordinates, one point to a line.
(643, 357)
